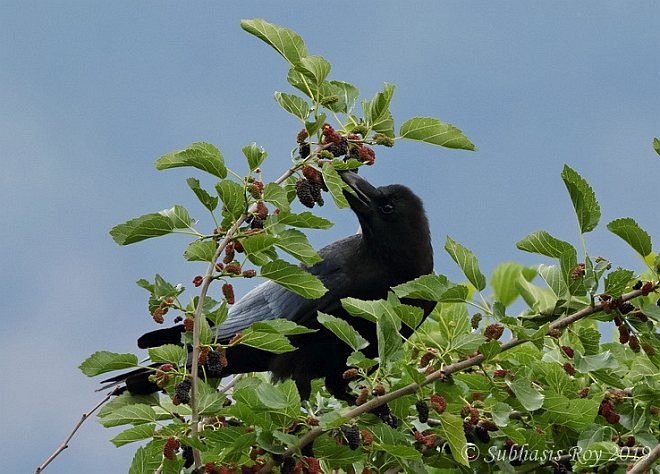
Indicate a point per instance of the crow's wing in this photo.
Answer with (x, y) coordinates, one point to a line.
(271, 301)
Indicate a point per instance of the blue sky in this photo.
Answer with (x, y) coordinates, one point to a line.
(91, 93)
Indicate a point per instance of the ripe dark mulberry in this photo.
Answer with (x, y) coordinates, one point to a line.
(182, 391)
(214, 363)
(482, 434)
(626, 307)
(314, 176)
(568, 351)
(352, 434)
(339, 148)
(257, 223)
(316, 194)
(633, 342)
(638, 285)
(422, 411)
(489, 425)
(304, 191)
(569, 369)
(228, 292)
(197, 281)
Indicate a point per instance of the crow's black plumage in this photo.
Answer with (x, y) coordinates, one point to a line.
(394, 246)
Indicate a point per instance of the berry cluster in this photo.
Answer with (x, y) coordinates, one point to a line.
(172, 445)
(159, 313)
(162, 376)
(352, 435)
(216, 361)
(493, 332)
(308, 188)
(182, 392)
(606, 409)
(429, 441)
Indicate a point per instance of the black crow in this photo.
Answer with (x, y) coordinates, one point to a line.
(394, 246)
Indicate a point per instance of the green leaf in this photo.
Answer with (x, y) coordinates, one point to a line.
(584, 201)
(590, 340)
(568, 264)
(294, 105)
(136, 433)
(208, 201)
(315, 68)
(346, 94)
(455, 294)
(281, 326)
(295, 243)
(279, 397)
(366, 309)
(151, 225)
(293, 278)
(133, 414)
(313, 127)
(501, 412)
(358, 359)
(103, 361)
(411, 316)
(169, 353)
(425, 287)
(633, 234)
(267, 341)
(656, 145)
(528, 396)
(255, 155)
(553, 277)
(433, 131)
(543, 243)
(377, 111)
(575, 414)
(336, 455)
(467, 261)
(285, 41)
(343, 330)
(503, 281)
(232, 195)
(203, 156)
(451, 428)
(200, 251)
(389, 339)
(590, 363)
(401, 451)
(276, 195)
(335, 184)
(305, 220)
(147, 459)
(617, 281)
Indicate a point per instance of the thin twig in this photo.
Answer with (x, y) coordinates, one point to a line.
(65, 443)
(644, 464)
(314, 433)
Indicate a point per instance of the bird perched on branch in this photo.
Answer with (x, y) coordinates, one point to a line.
(393, 247)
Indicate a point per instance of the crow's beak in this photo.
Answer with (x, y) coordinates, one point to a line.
(363, 193)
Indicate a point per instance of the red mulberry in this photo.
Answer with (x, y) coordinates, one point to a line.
(172, 445)
(439, 403)
(228, 292)
(493, 332)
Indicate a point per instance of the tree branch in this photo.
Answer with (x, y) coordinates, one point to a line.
(65, 443)
(644, 464)
(314, 433)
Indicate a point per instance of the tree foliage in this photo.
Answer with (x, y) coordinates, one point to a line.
(559, 393)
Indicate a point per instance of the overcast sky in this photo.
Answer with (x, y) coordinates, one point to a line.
(91, 93)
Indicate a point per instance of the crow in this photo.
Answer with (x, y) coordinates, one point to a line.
(392, 247)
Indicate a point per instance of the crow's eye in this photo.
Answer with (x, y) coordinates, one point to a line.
(386, 208)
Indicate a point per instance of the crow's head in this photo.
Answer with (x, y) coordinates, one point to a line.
(392, 219)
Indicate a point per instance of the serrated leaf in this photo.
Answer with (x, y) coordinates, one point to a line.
(293, 278)
(366, 309)
(411, 316)
(425, 287)
(377, 111)
(451, 428)
(267, 341)
(583, 197)
(133, 414)
(336, 455)
(389, 339)
(543, 243)
(552, 276)
(656, 145)
(467, 261)
(528, 396)
(633, 234)
(501, 412)
(293, 104)
(282, 326)
(208, 201)
(315, 68)
(617, 281)
(590, 363)
(358, 359)
(568, 265)
(590, 340)
(211, 403)
(147, 459)
(401, 451)
(200, 251)
(433, 131)
(232, 195)
(575, 414)
(142, 228)
(503, 281)
(169, 353)
(285, 41)
(203, 156)
(313, 127)
(103, 361)
(454, 294)
(276, 195)
(255, 155)
(305, 220)
(131, 435)
(346, 94)
(295, 243)
(275, 398)
(343, 330)
(335, 184)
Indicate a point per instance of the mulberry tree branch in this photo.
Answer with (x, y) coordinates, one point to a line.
(314, 433)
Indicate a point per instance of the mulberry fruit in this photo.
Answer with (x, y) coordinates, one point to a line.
(229, 253)
(339, 148)
(197, 281)
(476, 319)
(568, 351)
(633, 343)
(314, 176)
(439, 403)
(215, 362)
(569, 369)
(302, 135)
(382, 139)
(305, 193)
(254, 190)
(626, 307)
(482, 434)
(228, 292)
(422, 411)
(366, 154)
(257, 223)
(493, 332)
(489, 425)
(554, 332)
(624, 334)
(350, 374)
(182, 392)
(362, 397)
(233, 268)
(251, 273)
(352, 434)
(189, 324)
(172, 445)
(330, 135)
(261, 212)
(313, 465)
(646, 288)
